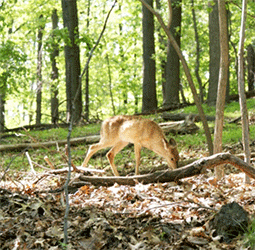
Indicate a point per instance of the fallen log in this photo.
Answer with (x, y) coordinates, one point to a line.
(179, 117)
(248, 94)
(182, 127)
(37, 127)
(195, 168)
(179, 127)
(21, 146)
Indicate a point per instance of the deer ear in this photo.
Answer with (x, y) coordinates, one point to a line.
(172, 143)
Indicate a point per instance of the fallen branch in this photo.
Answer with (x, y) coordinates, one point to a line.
(77, 169)
(174, 127)
(30, 163)
(37, 127)
(17, 147)
(195, 168)
(179, 127)
(46, 158)
(179, 117)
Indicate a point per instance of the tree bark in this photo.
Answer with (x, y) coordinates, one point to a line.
(2, 111)
(39, 72)
(201, 90)
(222, 85)
(187, 73)
(214, 46)
(251, 67)
(195, 168)
(241, 90)
(172, 84)
(86, 113)
(162, 45)
(149, 67)
(54, 74)
(72, 61)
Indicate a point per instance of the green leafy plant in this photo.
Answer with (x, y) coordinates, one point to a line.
(249, 237)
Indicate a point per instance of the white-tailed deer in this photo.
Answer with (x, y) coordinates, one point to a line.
(118, 131)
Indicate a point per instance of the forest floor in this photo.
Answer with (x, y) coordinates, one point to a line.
(152, 216)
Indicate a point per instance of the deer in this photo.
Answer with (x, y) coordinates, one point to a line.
(118, 131)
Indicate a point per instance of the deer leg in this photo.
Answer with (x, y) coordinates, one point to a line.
(138, 148)
(93, 149)
(111, 154)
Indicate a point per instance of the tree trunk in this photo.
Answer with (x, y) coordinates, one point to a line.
(187, 72)
(214, 46)
(2, 111)
(149, 67)
(172, 83)
(86, 116)
(54, 74)
(162, 58)
(72, 61)
(223, 79)
(251, 67)
(201, 90)
(39, 73)
(241, 90)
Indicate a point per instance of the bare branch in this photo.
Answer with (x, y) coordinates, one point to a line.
(195, 168)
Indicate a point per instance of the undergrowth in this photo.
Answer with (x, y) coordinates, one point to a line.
(193, 144)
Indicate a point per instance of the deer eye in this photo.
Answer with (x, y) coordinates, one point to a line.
(172, 159)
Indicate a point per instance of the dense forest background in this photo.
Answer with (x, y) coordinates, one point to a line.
(45, 46)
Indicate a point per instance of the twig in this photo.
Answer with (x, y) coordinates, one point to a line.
(46, 158)
(40, 166)
(176, 203)
(30, 163)
(72, 164)
(202, 206)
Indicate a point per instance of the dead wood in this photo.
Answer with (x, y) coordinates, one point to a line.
(37, 127)
(46, 158)
(236, 120)
(248, 94)
(21, 146)
(179, 127)
(181, 116)
(171, 107)
(242, 156)
(77, 169)
(195, 168)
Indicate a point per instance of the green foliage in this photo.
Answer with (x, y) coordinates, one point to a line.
(12, 61)
(232, 133)
(59, 38)
(195, 144)
(121, 44)
(249, 237)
